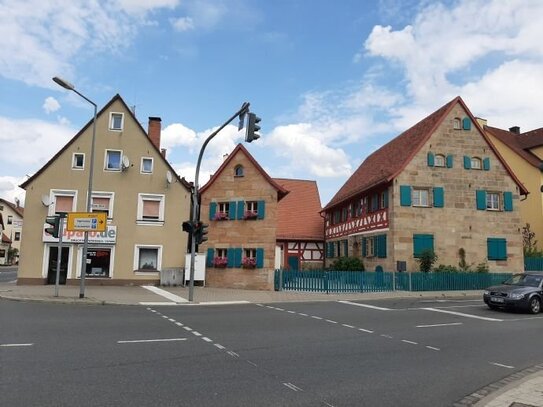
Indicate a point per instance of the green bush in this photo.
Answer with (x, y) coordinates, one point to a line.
(481, 268)
(442, 268)
(348, 264)
(426, 260)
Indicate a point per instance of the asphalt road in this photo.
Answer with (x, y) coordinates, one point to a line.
(8, 274)
(376, 353)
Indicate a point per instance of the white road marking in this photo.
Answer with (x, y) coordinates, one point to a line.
(450, 301)
(329, 320)
(205, 338)
(178, 324)
(196, 333)
(166, 294)
(437, 325)
(522, 319)
(171, 319)
(269, 306)
(14, 345)
(327, 404)
(279, 309)
(224, 302)
(259, 305)
(153, 340)
(433, 348)
(291, 312)
(500, 365)
(365, 330)
(252, 363)
(233, 354)
(461, 314)
(302, 314)
(160, 304)
(218, 345)
(386, 336)
(293, 387)
(188, 328)
(411, 342)
(315, 317)
(347, 326)
(164, 316)
(365, 305)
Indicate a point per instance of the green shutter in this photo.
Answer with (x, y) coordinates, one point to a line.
(375, 202)
(381, 242)
(237, 257)
(486, 164)
(466, 123)
(481, 199)
(261, 206)
(259, 258)
(209, 257)
(405, 195)
(421, 243)
(232, 210)
(345, 248)
(467, 162)
(449, 161)
(439, 200)
(496, 248)
(430, 159)
(508, 201)
(364, 245)
(212, 210)
(385, 198)
(241, 209)
(230, 258)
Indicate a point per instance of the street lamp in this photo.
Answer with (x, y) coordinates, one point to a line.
(67, 85)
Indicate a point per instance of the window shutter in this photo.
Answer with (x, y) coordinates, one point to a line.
(421, 243)
(496, 248)
(331, 249)
(375, 202)
(467, 162)
(209, 257)
(405, 195)
(381, 246)
(259, 258)
(241, 209)
(230, 258)
(212, 210)
(232, 210)
(449, 161)
(439, 200)
(261, 206)
(237, 257)
(508, 201)
(502, 249)
(385, 198)
(364, 247)
(345, 248)
(481, 200)
(486, 164)
(466, 123)
(430, 159)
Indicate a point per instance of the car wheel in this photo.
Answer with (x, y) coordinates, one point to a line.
(535, 305)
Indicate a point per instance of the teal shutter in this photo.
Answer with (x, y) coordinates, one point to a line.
(381, 241)
(364, 247)
(421, 243)
(230, 257)
(486, 164)
(496, 248)
(232, 210)
(481, 199)
(241, 209)
(466, 123)
(209, 257)
(212, 210)
(508, 201)
(375, 202)
(385, 199)
(237, 257)
(345, 248)
(259, 258)
(467, 162)
(261, 207)
(439, 199)
(405, 195)
(430, 159)
(449, 161)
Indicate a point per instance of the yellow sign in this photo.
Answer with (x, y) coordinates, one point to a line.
(86, 222)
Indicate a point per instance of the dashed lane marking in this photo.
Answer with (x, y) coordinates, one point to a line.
(365, 305)
(205, 338)
(411, 342)
(386, 336)
(315, 317)
(196, 333)
(302, 314)
(188, 328)
(233, 354)
(433, 348)
(178, 324)
(461, 314)
(218, 345)
(365, 330)
(347, 326)
(332, 322)
(15, 345)
(293, 387)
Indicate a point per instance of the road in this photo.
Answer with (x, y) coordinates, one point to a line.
(8, 274)
(373, 353)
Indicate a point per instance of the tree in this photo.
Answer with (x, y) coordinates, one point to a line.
(348, 264)
(426, 260)
(463, 264)
(12, 254)
(529, 243)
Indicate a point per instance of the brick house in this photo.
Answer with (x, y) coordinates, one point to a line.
(440, 185)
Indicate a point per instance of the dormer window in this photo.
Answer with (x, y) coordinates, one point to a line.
(238, 171)
(116, 121)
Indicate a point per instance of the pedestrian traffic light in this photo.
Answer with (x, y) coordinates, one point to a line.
(252, 128)
(54, 222)
(200, 232)
(188, 227)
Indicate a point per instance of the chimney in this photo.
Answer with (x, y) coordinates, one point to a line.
(153, 131)
(482, 122)
(515, 129)
(163, 152)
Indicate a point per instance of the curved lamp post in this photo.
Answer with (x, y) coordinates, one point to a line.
(67, 85)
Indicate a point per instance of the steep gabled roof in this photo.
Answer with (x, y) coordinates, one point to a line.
(17, 209)
(281, 192)
(5, 239)
(517, 143)
(389, 161)
(531, 139)
(89, 123)
(298, 214)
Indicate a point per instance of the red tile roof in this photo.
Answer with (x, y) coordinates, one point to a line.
(5, 239)
(298, 214)
(531, 139)
(519, 142)
(17, 209)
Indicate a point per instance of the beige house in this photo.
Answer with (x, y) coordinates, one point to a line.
(12, 216)
(145, 202)
(440, 185)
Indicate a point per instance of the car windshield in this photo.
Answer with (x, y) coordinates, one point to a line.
(525, 280)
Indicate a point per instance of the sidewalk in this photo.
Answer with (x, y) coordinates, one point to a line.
(522, 389)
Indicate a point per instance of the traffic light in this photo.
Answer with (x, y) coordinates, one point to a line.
(200, 232)
(54, 222)
(188, 227)
(252, 128)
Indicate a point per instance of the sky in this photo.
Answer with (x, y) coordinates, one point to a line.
(332, 80)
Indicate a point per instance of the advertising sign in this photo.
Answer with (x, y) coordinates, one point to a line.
(109, 236)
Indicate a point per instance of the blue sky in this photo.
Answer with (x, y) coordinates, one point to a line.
(332, 81)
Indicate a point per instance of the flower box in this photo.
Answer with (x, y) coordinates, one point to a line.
(250, 215)
(221, 216)
(248, 263)
(220, 262)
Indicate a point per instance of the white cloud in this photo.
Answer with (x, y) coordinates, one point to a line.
(182, 24)
(177, 134)
(142, 6)
(50, 105)
(9, 189)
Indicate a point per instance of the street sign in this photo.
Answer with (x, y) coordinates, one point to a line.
(86, 222)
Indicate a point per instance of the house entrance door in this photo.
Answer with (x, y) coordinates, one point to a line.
(293, 263)
(52, 265)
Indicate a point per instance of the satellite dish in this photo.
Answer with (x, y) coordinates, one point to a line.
(126, 162)
(169, 177)
(45, 200)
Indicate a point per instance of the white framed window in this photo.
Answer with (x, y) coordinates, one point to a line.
(62, 201)
(78, 161)
(370, 247)
(252, 206)
(492, 201)
(150, 209)
(116, 121)
(10, 219)
(420, 197)
(249, 253)
(102, 202)
(146, 165)
(222, 253)
(476, 163)
(113, 160)
(457, 123)
(439, 160)
(147, 258)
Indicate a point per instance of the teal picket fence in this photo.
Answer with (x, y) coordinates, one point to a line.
(533, 264)
(365, 281)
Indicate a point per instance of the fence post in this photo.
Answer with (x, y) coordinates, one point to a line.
(280, 279)
(393, 280)
(326, 281)
(410, 283)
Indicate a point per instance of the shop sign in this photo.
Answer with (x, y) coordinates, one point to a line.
(109, 236)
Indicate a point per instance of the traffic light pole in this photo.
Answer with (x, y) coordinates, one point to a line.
(195, 204)
(59, 251)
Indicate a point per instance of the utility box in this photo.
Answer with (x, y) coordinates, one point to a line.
(171, 277)
(199, 268)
